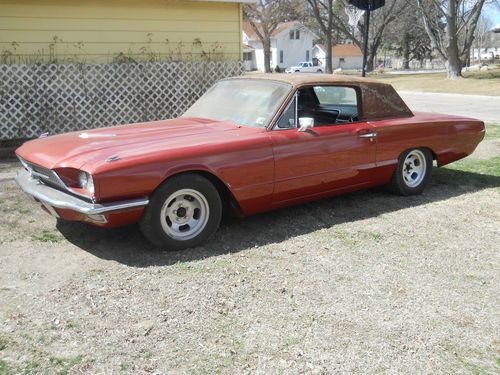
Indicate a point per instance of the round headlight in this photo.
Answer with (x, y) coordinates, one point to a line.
(85, 182)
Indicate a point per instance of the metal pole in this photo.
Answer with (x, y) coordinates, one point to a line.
(365, 42)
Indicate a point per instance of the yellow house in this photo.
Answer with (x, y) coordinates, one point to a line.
(96, 31)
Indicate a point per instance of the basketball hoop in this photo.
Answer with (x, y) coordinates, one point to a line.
(354, 14)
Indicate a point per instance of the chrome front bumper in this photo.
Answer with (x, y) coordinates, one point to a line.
(53, 198)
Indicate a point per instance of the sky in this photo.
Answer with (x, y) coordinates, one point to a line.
(493, 13)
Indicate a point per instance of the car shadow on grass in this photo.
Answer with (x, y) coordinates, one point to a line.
(127, 245)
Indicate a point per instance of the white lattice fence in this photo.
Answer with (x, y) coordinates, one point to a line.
(58, 98)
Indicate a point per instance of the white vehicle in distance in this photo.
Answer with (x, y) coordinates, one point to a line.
(304, 67)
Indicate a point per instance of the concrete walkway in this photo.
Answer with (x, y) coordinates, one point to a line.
(486, 108)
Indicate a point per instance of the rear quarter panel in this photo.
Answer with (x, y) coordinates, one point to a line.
(450, 138)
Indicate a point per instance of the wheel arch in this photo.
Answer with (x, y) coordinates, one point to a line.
(229, 201)
(433, 153)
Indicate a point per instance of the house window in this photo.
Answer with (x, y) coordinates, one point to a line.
(292, 34)
(342, 60)
(307, 55)
(281, 56)
(247, 56)
(297, 34)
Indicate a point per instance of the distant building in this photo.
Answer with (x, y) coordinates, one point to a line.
(344, 56)
(291, 43)
(490, 50)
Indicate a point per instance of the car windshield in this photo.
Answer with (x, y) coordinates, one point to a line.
(249, 102)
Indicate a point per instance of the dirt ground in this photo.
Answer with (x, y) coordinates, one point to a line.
(365, 283)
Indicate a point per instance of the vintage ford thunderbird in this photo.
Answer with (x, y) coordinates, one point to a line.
(250, 144)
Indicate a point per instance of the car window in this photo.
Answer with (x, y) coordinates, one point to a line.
(242, 101)
(336, 95)
(287, 118)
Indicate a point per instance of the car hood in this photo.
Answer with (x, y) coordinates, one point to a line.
(91, 147)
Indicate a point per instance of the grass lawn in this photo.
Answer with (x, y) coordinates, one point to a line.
(478, 172)
(492, 131)
(475, 83)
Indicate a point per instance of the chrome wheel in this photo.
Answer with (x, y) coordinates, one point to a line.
(184, 214)
(414, 168)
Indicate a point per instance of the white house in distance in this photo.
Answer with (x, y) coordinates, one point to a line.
(291, 43)
(344, 56)
(490, 50)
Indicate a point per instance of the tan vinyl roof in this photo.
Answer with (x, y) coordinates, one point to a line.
(378, 100)
(301, 79)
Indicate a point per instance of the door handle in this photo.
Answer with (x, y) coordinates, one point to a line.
(367, 135)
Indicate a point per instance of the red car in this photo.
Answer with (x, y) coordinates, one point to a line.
(251, 144)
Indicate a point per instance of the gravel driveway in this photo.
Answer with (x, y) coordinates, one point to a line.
(366, 283)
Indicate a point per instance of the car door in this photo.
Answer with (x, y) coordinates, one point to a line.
(324, 158)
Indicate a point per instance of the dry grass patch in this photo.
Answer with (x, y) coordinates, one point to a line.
(474, 83)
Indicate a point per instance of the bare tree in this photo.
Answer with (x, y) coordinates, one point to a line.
(451, 25)
(265, 16)
(323, 11)
(483, 29)
(382, 20)
(330, 17)
(408, 38)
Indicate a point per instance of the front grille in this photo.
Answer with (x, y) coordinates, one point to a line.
(43, 174)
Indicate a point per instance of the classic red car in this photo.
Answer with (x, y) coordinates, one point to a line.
(252, 144)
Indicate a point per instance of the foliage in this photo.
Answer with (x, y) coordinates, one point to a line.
(407, 37)
(59, 52)
(277, 69)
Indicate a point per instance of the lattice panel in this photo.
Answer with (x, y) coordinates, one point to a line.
(54, 98)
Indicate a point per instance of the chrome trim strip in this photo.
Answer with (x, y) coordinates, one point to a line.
(368, 135)
(60, 199)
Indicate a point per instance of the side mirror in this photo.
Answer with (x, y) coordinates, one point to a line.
(305, 123)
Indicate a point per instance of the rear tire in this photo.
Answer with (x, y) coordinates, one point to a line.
(413, 172)
(183, 212)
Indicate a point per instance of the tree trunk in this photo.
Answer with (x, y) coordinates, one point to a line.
(329, 65)
(267, 54)
(406, 51)
(370, 62)
(453, 65)
(328, 60)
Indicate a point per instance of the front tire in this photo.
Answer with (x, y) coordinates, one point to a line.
(183, 212)
(413, 172)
